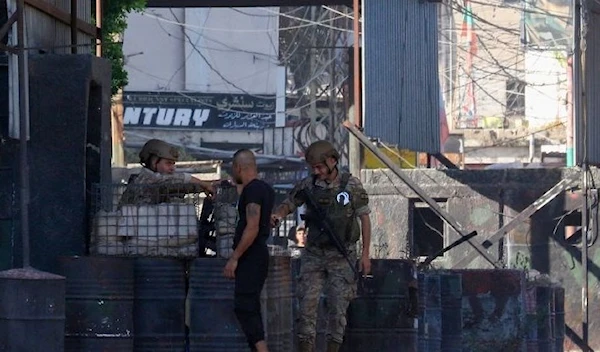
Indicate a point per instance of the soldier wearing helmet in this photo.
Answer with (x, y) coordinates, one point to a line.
(158, 160)
(344, 202)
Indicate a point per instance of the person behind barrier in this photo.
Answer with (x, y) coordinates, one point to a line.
(296, 241)
(343, 201)
(158, 159)
(249, 262)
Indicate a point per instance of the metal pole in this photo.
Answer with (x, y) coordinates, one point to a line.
(74, 26)
(23, 119)
(584, 259)
(354, 149)
(581, 118)
(357, 95)
(419, 191)
(570, 114)
(99, 27)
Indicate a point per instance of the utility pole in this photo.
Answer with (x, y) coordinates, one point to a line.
(354, 149)
(313, 69)
(579, 108)
(23, 129)
(333, 123)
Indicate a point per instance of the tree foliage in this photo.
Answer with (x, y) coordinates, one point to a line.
(114, 22)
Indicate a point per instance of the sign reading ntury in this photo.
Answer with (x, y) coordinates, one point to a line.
(183, 110)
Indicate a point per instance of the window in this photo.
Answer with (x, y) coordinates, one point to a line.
(427, 230)
(515, 98)
(572, 222)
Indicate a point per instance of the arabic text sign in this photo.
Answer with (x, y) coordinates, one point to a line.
(198, 111)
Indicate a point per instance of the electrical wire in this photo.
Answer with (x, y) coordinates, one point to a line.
(350, 16)
(321, 24)
(187, 25)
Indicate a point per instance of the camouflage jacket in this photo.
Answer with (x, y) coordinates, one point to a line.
(341, 207)
(149, 187)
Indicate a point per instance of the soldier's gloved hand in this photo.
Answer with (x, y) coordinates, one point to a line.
(364, 266)
(275, 220)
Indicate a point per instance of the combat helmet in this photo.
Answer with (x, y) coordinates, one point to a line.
(159, 148)
(319, 151)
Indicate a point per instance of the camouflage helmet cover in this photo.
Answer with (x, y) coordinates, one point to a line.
(159, 148)
(319, 151)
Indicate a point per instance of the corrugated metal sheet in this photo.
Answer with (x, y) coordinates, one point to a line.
(84, 12)
(54, 36)
(401, 73)
(39, 28)
(592, 89)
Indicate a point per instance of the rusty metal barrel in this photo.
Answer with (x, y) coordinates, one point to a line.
(430, 312)
(32, 311)
(451, 305)
(544, 296)
(531, 324)
(423, 333)
(496, 302)
(99, 303)
(159, 305)
(382, 317)
(295, 270)
(559, 319)
(213, 324)
(277, 300)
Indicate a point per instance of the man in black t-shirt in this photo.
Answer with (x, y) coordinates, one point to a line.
(249, 262)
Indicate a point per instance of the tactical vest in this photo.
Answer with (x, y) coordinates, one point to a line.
(338, 207)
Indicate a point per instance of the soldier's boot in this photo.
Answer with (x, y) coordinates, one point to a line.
(333, 346)
(305, 346)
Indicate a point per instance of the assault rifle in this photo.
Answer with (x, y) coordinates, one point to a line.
(206, 228)
(458, 242)
(317, 217)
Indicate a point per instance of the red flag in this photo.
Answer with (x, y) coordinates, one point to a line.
(468, 31)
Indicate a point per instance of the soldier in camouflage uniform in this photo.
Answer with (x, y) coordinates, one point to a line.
(344, 201)
(164, 185)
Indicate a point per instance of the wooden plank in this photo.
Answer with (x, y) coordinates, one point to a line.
(447, 217)
(552, 193)
(62, 16)
(10, 49)
(6, 27)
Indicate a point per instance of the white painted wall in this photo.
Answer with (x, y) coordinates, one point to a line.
(545, 93)
(208, 50)
(154, 52)
(231, 51)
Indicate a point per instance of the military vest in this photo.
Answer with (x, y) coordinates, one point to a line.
(338, 207)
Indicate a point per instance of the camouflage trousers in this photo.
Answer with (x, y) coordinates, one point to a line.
(325, 270)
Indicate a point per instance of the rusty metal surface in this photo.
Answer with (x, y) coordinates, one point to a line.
(99, 303)
(382, 317)
(213, 325)
(591, 72)
(451, 304)
(276, 301)
(54, 36)
(493, 310)
(32, 311)
(485, 201)
(559, 318)
(159, 305)
(401, 83)
(430, 312)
